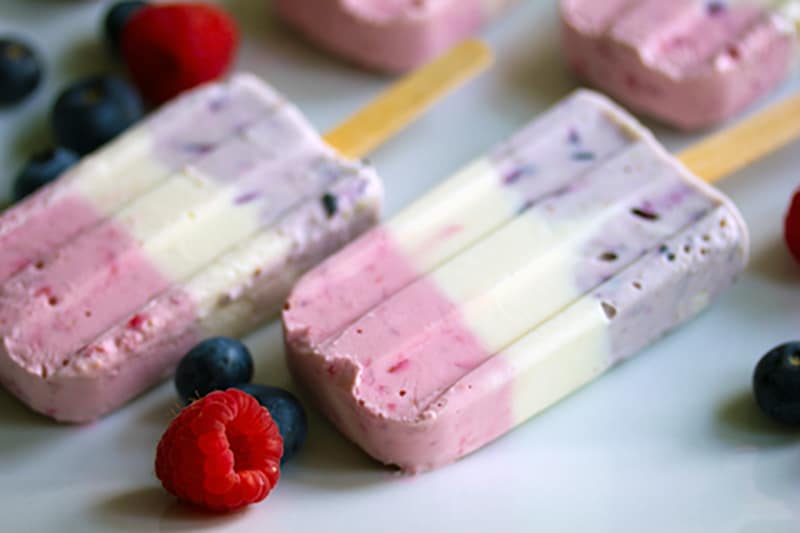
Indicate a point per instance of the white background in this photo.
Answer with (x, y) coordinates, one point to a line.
(670, 441)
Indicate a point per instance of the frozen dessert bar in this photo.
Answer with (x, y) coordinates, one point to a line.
(388, 35)
(531, 272)
(689, 63)
(194, 223)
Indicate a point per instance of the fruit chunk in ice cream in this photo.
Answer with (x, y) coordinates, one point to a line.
(531, 272)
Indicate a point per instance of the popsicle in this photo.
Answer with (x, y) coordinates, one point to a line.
(531, 272)
(688, 63)
(388, 35)
(194, 224)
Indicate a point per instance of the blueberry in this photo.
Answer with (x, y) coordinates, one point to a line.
(41, 169)
(115, 20)
(215, 364)
(286, 411)
(20, 70)
(776, 383)
(93, 111)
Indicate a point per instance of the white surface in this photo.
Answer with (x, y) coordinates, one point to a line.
(670, 441)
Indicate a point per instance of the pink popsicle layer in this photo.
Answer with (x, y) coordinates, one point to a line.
(376, 402)
(688, 63)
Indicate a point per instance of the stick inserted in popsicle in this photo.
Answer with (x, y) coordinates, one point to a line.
(194, 224)
(531, 272)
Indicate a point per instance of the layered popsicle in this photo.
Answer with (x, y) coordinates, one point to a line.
(193, 224)
(689, 63)
(388, 35)
(535, 269)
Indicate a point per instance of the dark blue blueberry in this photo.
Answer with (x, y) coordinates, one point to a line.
(330, 204)
(41, 169)
(286, 411)
(93, 111)
(20, 70)
(218, 363)
(776, 383)
(115, 20)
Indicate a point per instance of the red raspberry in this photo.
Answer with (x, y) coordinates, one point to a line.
(221, 452)
(170, 48)
(791, 226)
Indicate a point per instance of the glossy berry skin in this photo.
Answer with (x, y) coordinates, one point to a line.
(776, 383)
(170, 48)
(215, 364)
(93, 111)
(286, 411)
(221, 453)
(791, 226)
(20, 70)
(41, 169)
(117, 18)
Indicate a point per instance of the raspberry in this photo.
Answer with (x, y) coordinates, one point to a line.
(170, 48)
(792, 226)
(221, 452)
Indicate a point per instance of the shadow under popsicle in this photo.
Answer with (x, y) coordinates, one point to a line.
(269, 41)
(328, 458)
(532, 69)
(775, 264)
(739, 422)
(24, 431)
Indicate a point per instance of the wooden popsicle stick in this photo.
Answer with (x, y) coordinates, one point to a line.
(733, 149)
(407, 99)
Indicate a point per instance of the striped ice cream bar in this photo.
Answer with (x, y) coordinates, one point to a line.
(526, 275)
(193, 224)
